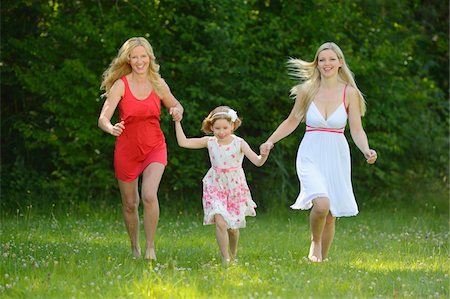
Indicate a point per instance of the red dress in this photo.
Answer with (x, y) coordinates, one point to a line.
(142, 142)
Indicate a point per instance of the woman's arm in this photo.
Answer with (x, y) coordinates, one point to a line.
(193, 143)
(356, 129)
(170, 102)
(284, 129)
(109, 106)
(256, 159)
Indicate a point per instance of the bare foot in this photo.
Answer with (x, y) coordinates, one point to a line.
(315, 252)
(150, 254)
(226, 262)
(136, 251)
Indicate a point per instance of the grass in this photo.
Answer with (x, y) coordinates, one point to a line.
(382, 253)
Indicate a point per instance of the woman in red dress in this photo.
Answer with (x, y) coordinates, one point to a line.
(132, 82)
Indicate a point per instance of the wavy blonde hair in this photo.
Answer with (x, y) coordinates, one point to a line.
(120, 66)
(209, 121)
(309, 76)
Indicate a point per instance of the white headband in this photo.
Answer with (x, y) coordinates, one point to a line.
(231, 113)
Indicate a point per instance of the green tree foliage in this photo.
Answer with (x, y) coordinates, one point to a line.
(213, 53)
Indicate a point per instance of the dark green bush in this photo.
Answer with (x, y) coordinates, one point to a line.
(213, 53)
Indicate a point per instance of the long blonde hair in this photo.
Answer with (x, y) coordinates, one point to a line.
(120, 66)
(221, 112)
(309, 76)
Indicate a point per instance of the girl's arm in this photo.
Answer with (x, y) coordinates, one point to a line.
(109, 106)
(251, 155)
(193, 143)
(170, 102)
(284, 129)
(356, 129)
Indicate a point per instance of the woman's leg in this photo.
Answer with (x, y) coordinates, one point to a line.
(150, 183)
(317, 219)
(233, 236)
(328, 234)
(130, 204)
(222, 237)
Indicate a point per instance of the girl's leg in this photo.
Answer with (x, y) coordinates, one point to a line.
(317, 218)
(328, 235)
(150, 183)
(130, 204)
(233, 235)
(222, 237)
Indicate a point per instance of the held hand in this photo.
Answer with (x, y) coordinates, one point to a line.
(265, 148)
(118, 129)
(176, 114)
(371, 156)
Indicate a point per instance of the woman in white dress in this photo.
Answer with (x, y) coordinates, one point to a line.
(326, 97)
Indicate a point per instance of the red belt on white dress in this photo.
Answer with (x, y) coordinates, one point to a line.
(329, 130)
(226, 169)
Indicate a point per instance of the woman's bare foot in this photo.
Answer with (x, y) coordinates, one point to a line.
(150, 254)
(136, 251)
(315, 252)
(226, 262)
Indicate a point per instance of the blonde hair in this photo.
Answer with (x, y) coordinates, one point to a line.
(220, 112)
(309, 76)
(120, 66)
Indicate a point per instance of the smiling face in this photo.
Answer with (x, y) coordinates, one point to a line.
(139, 60)
(222, 129)
(328, 63)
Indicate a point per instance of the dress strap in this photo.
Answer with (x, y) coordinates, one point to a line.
(127, 87)
(345, 96)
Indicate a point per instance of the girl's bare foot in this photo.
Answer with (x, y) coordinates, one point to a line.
(315, 252)
(150, 254)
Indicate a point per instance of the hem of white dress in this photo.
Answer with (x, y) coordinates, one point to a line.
(306, 204)
(345, 214)
(302, 204)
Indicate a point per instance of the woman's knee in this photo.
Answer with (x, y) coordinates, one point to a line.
(149, 198)
(330, 219)
(130, 204)
(321, 205)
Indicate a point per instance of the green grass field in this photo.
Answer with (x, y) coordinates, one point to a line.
(382, 253)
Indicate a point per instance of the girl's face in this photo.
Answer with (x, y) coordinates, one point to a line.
(222, 129)
(328, 63)
(139, 60)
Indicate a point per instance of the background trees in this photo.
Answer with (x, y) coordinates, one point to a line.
(211, 53)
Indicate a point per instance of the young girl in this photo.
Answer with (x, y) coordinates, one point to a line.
(226, 196)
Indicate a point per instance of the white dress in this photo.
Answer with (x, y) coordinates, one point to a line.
(225, 189)
(323, 163)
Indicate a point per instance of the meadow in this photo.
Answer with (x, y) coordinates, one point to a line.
(83, 252)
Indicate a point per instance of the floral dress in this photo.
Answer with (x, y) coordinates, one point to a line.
(225, 189)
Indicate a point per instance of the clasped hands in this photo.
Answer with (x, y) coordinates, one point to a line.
(265, 148)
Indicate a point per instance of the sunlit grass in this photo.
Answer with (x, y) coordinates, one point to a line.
(382, 253)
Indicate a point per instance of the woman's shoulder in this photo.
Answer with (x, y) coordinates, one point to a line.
(300, 89)
(351, 92)
(163, 83)
(118, 86)
(349, 88)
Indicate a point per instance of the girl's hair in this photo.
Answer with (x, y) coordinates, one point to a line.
(120, 66)
(309, 76)
(221, 112)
